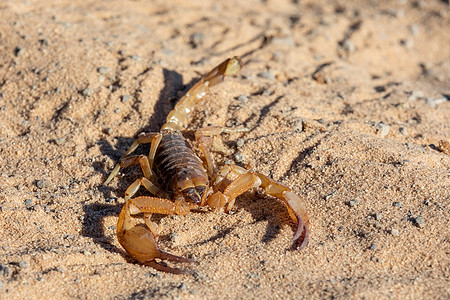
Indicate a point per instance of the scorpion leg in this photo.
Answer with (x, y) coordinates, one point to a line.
(154, 138)
(139, 240)
(247, 180)
(204, 137)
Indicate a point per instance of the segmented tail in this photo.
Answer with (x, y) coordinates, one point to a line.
(176, 119)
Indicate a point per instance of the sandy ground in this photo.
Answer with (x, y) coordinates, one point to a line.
(347, 102)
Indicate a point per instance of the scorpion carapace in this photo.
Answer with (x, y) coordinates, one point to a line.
(173, 171)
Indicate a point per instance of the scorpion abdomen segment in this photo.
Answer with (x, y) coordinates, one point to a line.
(175, 162)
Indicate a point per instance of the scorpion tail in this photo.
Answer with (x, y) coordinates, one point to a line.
(176, 119)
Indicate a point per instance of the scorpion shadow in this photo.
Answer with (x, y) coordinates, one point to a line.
(95, 213)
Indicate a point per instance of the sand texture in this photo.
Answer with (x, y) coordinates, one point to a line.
(346, 102)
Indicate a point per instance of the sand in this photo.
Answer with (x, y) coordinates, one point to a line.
(346, 102)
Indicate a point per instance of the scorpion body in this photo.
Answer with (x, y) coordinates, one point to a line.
(173, 171)
(176, 164)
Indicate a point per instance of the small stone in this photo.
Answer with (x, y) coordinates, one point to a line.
(117, 110)
(5, 270)
(136, 58)
(382, 129)
(397, 204)
(403, 130)
(414, 29)
(87, 92)
(267, 75)
(353, 202)
(416, 95)
(378, 216)
(111, 199)
(86, 252)
(28, 202)
(242, 98)
(348, 46)
(196, 39)
(44, 42)
(239, 157)
(24, 264)
(433, 102)
(394, 232)
(373, 247)
(104, 70)
(59, 141)
(18, 51)
(1, 285)
(40, 279)
(174, 237)
(240, 142)
(407, 43)
(419, 222)
(61, 269)
(69, 237)
(107, 131)
(41, 183)
(125, 98)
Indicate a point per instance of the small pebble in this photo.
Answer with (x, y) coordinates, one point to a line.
(41, 184)
(44, 42)
(416, 95)
(353, 202)
(267, 75)
(174, 237)
(24, 264)
(373, 246)
(242, 98)
(136, 58)
(403, 131)
(104, 70)
(61, 269)
(348, 46)
(382, 129)
(397, 204)
(394, 232)
(40, 279)
(419, 222)
(85, 252)
(18, 51)
(107, 131)
(28, 202)
(435, 101)
(239, 158)
(1, 285)
(111, 199)
(87, 92)
(117, 110)
(196, 39)
(125, 98)
(5, 270)
(69, 237)
(378, 216)
(240, 142)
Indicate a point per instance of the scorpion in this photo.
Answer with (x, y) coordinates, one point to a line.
(173, 171)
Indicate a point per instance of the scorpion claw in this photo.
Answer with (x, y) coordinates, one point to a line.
(140, 242)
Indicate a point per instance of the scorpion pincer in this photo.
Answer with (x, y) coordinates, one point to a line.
(173, 171)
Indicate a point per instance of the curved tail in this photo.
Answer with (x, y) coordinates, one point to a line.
(176, 119)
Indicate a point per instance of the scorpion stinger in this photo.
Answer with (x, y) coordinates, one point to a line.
(173, 171)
